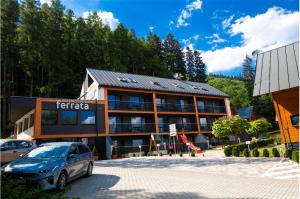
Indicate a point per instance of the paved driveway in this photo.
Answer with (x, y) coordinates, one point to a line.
(212, 176)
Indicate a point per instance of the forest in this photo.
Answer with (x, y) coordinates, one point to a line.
(45, 50)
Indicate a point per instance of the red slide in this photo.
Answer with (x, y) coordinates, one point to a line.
(191, 146)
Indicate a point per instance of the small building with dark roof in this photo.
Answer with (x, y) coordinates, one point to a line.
(277, 72)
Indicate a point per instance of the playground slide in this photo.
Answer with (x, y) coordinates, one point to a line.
(191, 146)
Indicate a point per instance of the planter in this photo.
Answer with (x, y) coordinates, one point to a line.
(114, 156)
(122, 156)
(95, 157)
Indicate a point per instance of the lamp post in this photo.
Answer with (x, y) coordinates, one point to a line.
(140, 147)
(157, 148)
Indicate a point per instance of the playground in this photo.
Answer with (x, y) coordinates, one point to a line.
(208, 176)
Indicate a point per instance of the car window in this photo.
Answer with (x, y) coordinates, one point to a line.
(23, 144)
(73, 150)
(9, 145)
(83, 149)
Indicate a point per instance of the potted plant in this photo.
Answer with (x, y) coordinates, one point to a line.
(95, 153)
(114, 154)
(121, 153)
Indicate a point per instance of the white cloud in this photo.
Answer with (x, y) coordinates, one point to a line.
(151, 28)
(226, 22)
(187, 13)
(46, 1)
(195, 37)
(215, 39)
(274, 28)
(106, 17)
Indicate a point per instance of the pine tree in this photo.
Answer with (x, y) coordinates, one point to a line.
(190, 64)
(248, 74)
(200, 68)
(174, 57)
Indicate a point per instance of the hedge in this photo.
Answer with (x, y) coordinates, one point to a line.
(295, 156)
(255, 152)
(266, 153)
(246, 153)
(275, 152)
(235, 151)
(228, 151)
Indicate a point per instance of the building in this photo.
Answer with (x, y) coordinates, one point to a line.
(277, 72)
(246, 113)
(122, 109)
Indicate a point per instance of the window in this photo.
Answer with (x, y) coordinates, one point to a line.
(9, 145)
(74, 150)
(31, 120)
(49, 117)
(122, 79)
(161, 124)
(136, 101)
(201, 107)
(295, 120)
(157, 84)
(112, 121)
(113, 102)
(137, 123)
(88, 117)
(24, 144)
(69, 117)
(178, 86)
(131, 80)
(83, 149)
(26, 123)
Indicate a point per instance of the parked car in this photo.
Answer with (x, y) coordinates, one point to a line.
(51, 165)
(12, 149)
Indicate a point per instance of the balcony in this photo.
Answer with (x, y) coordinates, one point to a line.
(206, 127)
(211, 109)
(128, 105)
(187, 127)
(131, 128)
(171, 107)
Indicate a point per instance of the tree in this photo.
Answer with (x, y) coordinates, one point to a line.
(200, 68)
(264, 107)
(190, 64)
(173, 57)
(258, 126)
(227, 126)
(248, 74)
(236, 89)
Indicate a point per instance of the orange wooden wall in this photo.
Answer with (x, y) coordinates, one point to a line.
(286, 104)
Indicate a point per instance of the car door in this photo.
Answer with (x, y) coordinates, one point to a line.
(9, 151)
(84, 158)
(73, 161)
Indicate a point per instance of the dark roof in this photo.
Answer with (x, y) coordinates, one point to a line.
(144, 82)
(245, 113)
(18, 106)
(277, 70)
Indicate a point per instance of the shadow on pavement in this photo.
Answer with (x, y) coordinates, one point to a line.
(93, 185)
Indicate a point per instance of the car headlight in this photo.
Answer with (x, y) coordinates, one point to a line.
(45, 171)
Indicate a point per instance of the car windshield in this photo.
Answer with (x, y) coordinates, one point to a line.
(48, 152)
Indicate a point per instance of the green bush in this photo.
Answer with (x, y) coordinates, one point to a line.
(133, 155)
(143, 154)
(295, 156)
(149, 154)
(170, 153)
(288, 153)
(193, 154)
(235, 151)
(95, 153)
(228, 151)
(275, 152)
(245, 153)
(180, 154)
(255, 152)
(266, 153)
(160, 154)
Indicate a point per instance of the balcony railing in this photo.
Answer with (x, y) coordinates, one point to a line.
(186, 127)
(175, 107)
(211, 109)
(206, 127)
(129, 105)
(131, 128)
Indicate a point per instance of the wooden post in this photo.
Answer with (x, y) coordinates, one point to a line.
(197, 114)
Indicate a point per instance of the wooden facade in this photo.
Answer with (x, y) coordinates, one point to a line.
(286, 105)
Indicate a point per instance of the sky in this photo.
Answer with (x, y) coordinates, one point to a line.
(224, 31)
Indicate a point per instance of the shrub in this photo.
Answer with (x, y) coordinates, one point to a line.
(143, 154)
(275, 152)
(95, 153)
(255, 152)
(228, 151)
(295, 156)
(170, 153)
(235, 151)
(245, 153)
(114, 152)
(180, 154)
(133, 155)
(160, 154)
(149, 154)
(288, 153)
(265, 153)
(193, 154)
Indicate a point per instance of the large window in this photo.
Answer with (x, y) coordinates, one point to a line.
(161, 124)
(88, 117)
(137, 124)
(113, 102)
(136, 101)
(201, 107)
(49, 117)
(69, 117)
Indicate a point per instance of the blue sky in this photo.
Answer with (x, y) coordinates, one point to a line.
(223, 30)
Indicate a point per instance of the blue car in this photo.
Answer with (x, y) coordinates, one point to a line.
(51, 165)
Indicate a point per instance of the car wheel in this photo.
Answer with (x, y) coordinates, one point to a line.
(62, 181)
(89, 170)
